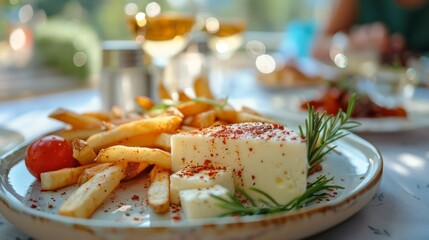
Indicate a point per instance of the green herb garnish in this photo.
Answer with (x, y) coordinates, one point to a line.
(318, 190)
(322, 130)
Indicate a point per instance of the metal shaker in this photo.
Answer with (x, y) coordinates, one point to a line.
(124, 75)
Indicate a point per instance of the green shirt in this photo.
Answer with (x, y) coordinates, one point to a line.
(412, 23)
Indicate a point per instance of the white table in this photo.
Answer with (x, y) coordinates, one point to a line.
(399, 210)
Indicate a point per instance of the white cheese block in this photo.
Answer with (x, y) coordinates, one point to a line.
(199, 176)
(266, 156)
(198, 203)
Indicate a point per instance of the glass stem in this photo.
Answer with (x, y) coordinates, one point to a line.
(164, 88)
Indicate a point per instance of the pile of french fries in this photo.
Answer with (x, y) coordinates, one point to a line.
(112, 147)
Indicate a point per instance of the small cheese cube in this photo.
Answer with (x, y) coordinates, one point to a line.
(266, 156)
(200, 176)
(198, 203)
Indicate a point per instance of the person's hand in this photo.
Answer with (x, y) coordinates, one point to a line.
(377, 38)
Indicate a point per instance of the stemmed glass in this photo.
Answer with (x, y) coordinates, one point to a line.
(162, 36)
(225, 37)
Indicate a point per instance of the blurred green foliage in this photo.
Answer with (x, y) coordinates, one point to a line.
(58, 41)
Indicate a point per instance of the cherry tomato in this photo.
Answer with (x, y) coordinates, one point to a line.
(48, 154)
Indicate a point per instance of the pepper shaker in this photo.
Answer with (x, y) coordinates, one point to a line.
(124, 75)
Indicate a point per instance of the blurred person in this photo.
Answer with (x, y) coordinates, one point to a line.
(393, 28)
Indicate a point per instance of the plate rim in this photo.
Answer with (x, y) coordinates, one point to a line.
(373, 182)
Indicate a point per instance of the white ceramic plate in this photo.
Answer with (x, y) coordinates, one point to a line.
(287, 107)
(355, 165)
(9, 139)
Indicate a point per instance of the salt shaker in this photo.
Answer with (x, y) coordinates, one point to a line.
(124, 75)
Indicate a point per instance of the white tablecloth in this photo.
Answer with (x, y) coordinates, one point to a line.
(399, 210)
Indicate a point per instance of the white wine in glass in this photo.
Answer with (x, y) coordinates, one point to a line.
(162, 37)
(225, 36)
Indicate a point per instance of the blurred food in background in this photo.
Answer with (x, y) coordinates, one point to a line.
(288, 75)
(336, 95)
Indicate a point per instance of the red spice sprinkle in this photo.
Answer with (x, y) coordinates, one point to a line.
(33, 206)
(253, 177)
(63, 193)
(177, 218)
(250, 130)
(135, 198)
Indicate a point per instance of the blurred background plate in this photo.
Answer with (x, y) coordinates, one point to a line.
(288, 107)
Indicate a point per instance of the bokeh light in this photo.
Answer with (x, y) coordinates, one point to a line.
(341, 60)
(265, 63)
(131, 9)
(212, 24)
(141, 19)
(17, 39)
(80, 59)
(255, 48)
(153, 9)
(25, 13)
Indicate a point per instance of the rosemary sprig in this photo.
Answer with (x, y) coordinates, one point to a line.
(322, 130)
(315, 191)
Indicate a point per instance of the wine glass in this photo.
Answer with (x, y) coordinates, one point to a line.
(162, 36)
(225, 37)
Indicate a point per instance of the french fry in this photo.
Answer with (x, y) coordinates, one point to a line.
(204, 119)
(133, 169)
(82, 152)
(249, 110)
(170, 111)
(163, 92)
(102, 116)
(116, 112)
(90, 172)
(202, 88)
(158, 192)
(71, 134)
(230, 115)
(218, 123)
(107, 126)
(187, 128)
(193, 108)
(163, 141)
(144, 103)
(120, 121)
(135, 154)
(144, 126)
(227, 114)
(77, 121)
(61, 178)
(249, 117)
(89, 196)
(144, 140)
(183, 96)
